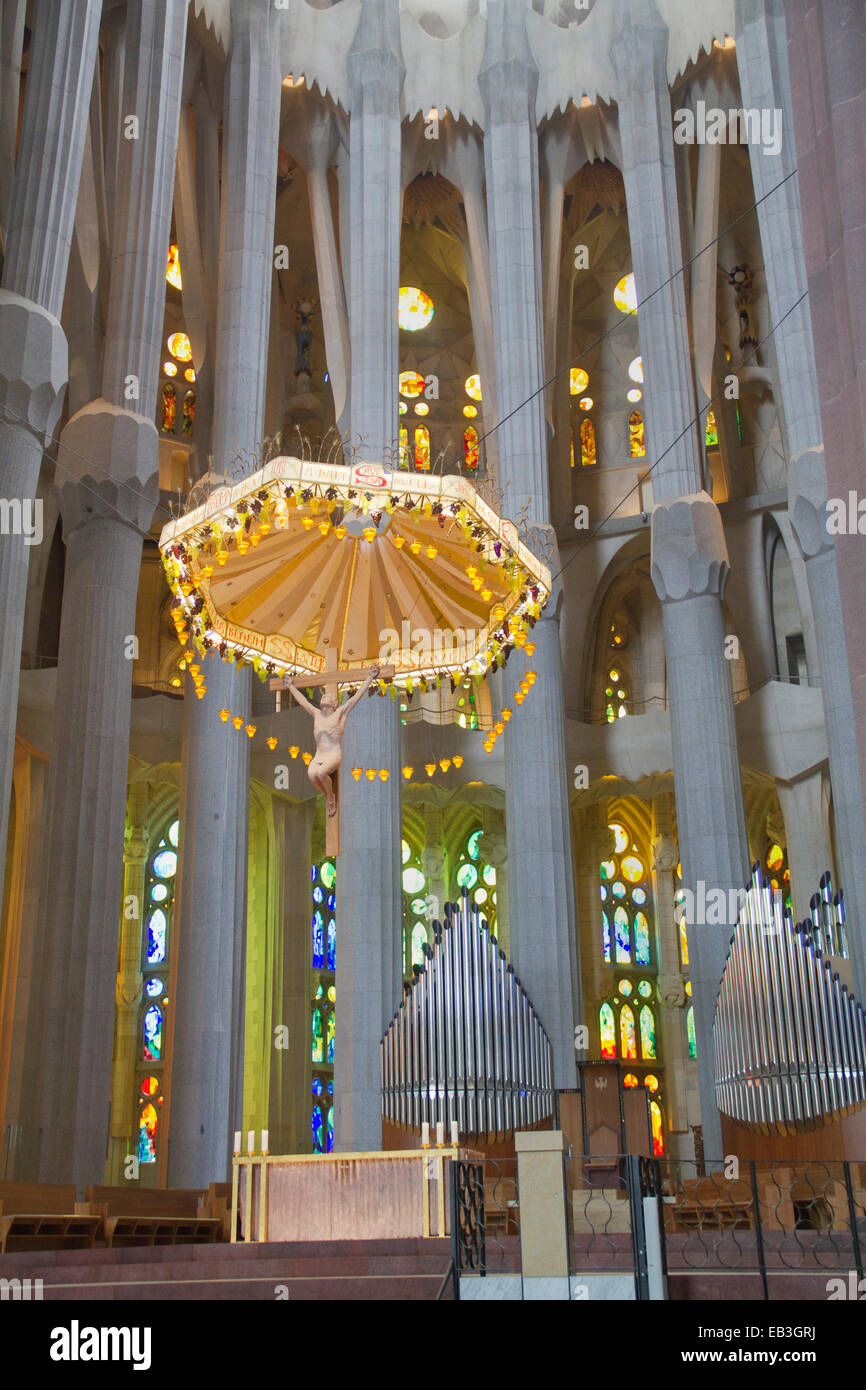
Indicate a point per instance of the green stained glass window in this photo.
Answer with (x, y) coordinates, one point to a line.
(318, 1037)
(467, 876)
(647, 1033)
(607, 1030)
(690, 1028)
(413, 880)
(472, 844)
(419, 940)
(330, 1036)
(627, 1041)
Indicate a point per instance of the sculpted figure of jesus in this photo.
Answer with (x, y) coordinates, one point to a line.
(329, 724)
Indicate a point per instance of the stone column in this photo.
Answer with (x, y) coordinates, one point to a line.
(206, 1076)
(33, 353)
(689, 555)
(291, 1068)
(130, 981)
(108, 482)
(672, 997)
(541, 875)
(764, 78)
(369, 901)
(805, 806)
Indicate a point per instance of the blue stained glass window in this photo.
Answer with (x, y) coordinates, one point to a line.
(146, 1133)
(154, 987)
(317, 1086)
(330, 1129)
(605, 934)
(318, 894)
(331, 1036)
(330, 1088)
(332, 944)
(318, 942)
(157, 924)
(159, 892)
(623, 945)
(329, 873)
(638, 895)
(332, 902)
(318, 1043)
(314, 872)
(165, 864)
(152, 1034)
(317, 1129)
(641, 939)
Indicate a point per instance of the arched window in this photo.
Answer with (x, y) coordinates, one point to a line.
(588, 454)
(169, 408)
(422, 448)
(625, 903)
(470, 448)
(690, 1031)
(188, 412)
(480, 879)
(323, 1021)
(615, 694)
(467, 713)
(415, 929)
(627, 1032)
(155, 963)
(404, 447)
(636, 437)
(777, 874)
(711, 434)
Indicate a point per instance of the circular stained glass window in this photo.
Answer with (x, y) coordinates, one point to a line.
(418, 906)
(608, 869)
(625, 988)
(165, 864)
(632, 869)
(488, 873)
(473, 387)
(625, 295)
(586, 402)
(150, 1086)
(638, 895)
(651, 1082)
(635, 370)
(405, 851)
(775, 858)
(415, 309)
(154, 987)
(480, 895)
(467, 876)
(413, 880)
(174, 833)
(320, 991)
(618, 889)
(318, 894)
(629, 1081)
(619, 835)
(329, 874)
(472, 844)
(578, 380)
(169, 368)
(159, 892)
(470, 411)
(330, 1088)
(317, 1086)
(411, 384)
(179, 347)
(634, 395)
(645, 989)
(332, 993)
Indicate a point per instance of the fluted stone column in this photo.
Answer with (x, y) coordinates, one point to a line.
(207, 1046)
(763, 65)
(108, 483)
(689, 555)
(33, 352)
(672, 996)
(130, 983)
(541, 879)
(369, 901)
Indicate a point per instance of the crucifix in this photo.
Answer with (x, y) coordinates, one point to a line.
(329, 725)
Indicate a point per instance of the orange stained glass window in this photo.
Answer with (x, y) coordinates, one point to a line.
(470, 447)
(636, 436)
(607, 1030)
(169, 408)
(188, 412)
(404, 447)
(627, 1040)
(587, 444)
(422, 448)
(656, 1122)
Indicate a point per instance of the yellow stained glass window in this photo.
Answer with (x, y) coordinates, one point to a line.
(711, 437)
(172, 270)
(587, 444)
(578, 380)
(607, 1030)
(470, 448)
(656, 1121)
(635, 370)
(625, 295)
(422, 449)
(179, 347)
(473, 387)
(404, 447)
(415, 309)
(627, 1041)
(411, 384)
(636, 437)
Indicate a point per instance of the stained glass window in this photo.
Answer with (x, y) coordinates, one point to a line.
(616, 694)
(711, 436)
(627, 1043)
(636, 437)
(607, 1031)
(172, 269)
(588, 454)
(330, 1139)
(470, 448)
(578, 380)
(422, 448)
(317, 1129)
(624, 890)
(404, 447)
(318, 1043)
(169, 408)
(657, 1128)
(647, 1033)
(160, 876)
(323, 882)
(415, 309)
(415, 932)
(188, 412)
(479, 877)
(777, 874)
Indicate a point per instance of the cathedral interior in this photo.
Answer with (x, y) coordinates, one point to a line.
(457, 239)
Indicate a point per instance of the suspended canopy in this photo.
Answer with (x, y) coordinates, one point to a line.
(306, 567)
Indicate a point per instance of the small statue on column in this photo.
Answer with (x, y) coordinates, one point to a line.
(305, 308)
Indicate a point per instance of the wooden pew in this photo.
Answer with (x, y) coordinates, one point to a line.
(154, 1216)
(44, 1216)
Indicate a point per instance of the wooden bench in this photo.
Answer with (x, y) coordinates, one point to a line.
(715, 1201)
(44, 1216)
(154, 1216)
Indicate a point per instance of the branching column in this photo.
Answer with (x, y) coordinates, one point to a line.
(207, 1046)
(541, 878)
(33, 350)
(763, 66)
(108, 482)
(369, 903)
(689, 554)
